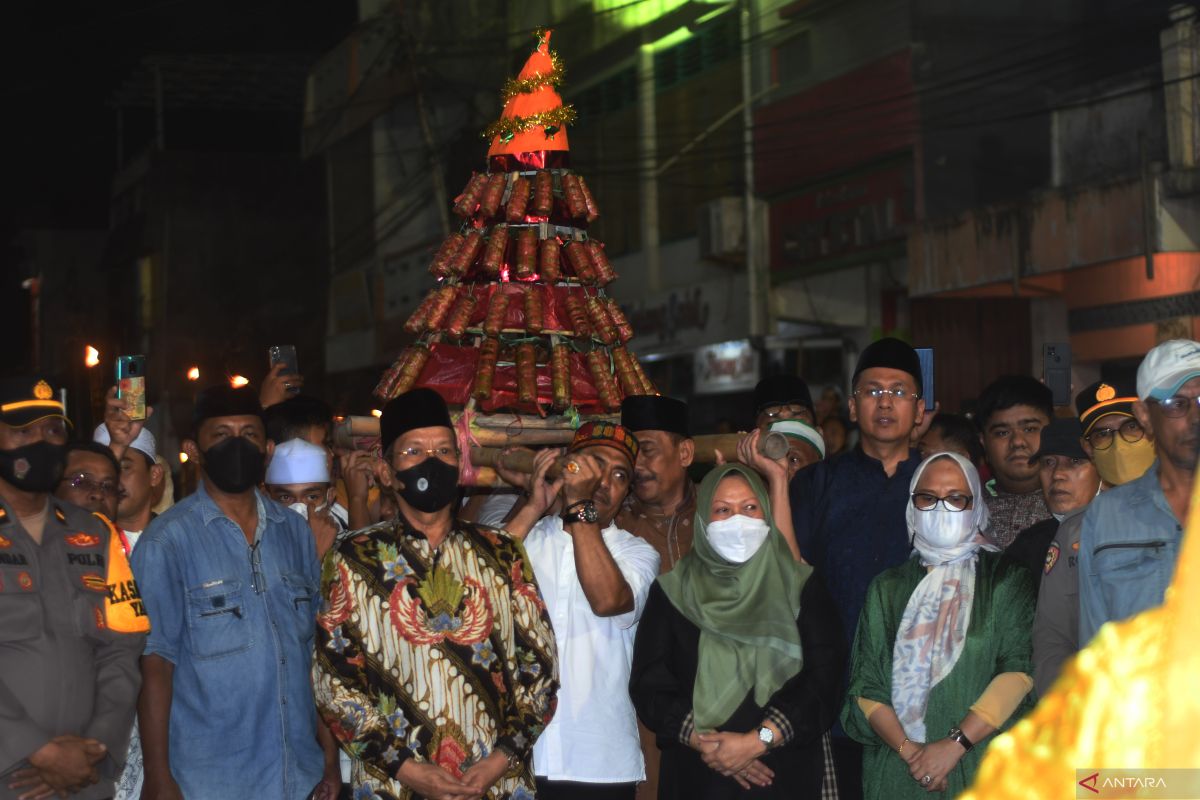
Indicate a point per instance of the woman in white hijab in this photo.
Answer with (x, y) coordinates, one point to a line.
(942, 657)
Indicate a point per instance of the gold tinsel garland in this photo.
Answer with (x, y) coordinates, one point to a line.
(510, 126)
(516, 86)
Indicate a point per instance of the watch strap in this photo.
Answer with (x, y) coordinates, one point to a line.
(957, 735)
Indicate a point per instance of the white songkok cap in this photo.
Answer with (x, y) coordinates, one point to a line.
(297, 461)
(144, 443)
(795, 429)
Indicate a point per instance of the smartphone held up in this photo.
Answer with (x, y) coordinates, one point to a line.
(131, 384)
(285, 354)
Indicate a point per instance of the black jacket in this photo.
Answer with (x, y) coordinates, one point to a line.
(665, 657)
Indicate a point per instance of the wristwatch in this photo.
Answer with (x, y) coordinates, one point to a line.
(766, 736)
(957, 735)
(582, 511)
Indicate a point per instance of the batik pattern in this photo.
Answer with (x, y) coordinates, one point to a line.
(438, 655)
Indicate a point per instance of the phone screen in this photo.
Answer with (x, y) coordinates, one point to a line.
(1056, 371)
(925, 354)
(131, 384)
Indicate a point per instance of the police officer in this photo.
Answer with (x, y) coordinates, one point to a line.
(71, 623)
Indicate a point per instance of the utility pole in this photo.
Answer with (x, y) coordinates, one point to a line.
(754, 278)
(436, 169)
(648, 158)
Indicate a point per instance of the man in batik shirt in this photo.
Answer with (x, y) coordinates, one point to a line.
(435, 664)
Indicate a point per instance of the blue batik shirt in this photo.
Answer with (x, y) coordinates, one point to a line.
(237, 621)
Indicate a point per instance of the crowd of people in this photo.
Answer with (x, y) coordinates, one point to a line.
(857, 618)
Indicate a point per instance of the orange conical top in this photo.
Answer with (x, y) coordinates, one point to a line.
(534, 117)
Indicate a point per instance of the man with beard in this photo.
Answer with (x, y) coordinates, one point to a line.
(1132, 534)
(435, 662)
(68, 646)
(595, 578)
(1012, 412)
(230, 580)
(663, 501)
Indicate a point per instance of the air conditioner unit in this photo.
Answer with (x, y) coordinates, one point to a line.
(721, 230)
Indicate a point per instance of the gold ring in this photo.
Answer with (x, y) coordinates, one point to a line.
(572, 467)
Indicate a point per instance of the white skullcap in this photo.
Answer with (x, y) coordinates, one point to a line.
(297, 461)
(144, 443)
(796, 429)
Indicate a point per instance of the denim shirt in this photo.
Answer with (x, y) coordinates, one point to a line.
(1127, 552)
(237, 621)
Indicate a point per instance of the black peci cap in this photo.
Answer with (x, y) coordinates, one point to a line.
(223, 400)
(653, 412)
(891, 354)
(782, 390)
(418, 408)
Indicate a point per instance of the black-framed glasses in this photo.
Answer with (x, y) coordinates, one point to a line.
(926, 501)
(894, 394)
(88, 485)
(788, 411)
(443, 453)
(1176, 406)
(258, 579)
(1102, 438)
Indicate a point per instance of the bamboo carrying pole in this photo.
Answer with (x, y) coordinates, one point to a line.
(494, 430)
(497, 431)
(773, 445)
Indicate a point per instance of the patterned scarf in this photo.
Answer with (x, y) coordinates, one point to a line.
(933, 628)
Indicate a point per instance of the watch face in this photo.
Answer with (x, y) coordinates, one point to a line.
(766, 735)
(588, 513)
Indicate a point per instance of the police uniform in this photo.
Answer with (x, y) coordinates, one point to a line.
(1056, 621)
(71, 632)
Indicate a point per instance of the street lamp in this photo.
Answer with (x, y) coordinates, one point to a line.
(91, 357)
(193, 374)
(238, 381)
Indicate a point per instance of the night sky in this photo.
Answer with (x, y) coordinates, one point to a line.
(63, 64)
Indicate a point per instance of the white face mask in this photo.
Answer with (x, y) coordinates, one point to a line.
(302, 508)
(737, 538)
(942, 536)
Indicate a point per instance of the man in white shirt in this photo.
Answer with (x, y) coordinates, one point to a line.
(594, 578)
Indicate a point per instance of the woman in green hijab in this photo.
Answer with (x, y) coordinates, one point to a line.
(739, 656)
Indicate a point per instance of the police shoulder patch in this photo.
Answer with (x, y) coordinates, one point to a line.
(93, 581)
(1051, 557)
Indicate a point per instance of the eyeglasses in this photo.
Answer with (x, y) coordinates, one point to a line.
(895, 394)
(924, 501)
(792, 411)
(1176, 406)
(1102, 438)
(443, 453)
(88, 485)
(258, 578)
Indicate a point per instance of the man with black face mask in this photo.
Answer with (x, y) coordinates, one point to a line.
(230, 580)
(69, 635)
(436, 627)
